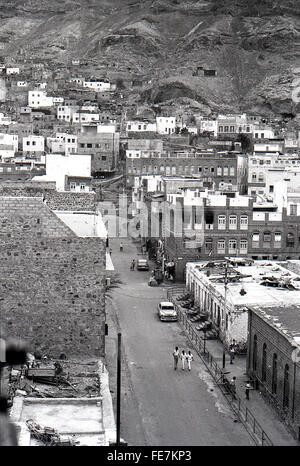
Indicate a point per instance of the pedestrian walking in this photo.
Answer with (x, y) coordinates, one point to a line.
(110, 251)
(176, 357)
(189, 359)
(183, 358)
(232, 353)
(247, 389)
(121, 247)
(132, 264)
(233, 386)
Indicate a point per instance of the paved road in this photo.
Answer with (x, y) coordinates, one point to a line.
(160, 406)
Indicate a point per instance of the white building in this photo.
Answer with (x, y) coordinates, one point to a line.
(66, 112)
(140, 126)
(12, 70)
(228, 309)
(210, 126)
(33, 143)
(58, 100)
(275, 147)
(97, 85)
(70, 172)
(9, 139)
(165, 125)
(22, 83)
(38, 99)
(85, 117)
(4, 120)
(263, 133)
(8, 145)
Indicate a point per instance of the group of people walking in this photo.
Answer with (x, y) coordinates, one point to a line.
(186, 358)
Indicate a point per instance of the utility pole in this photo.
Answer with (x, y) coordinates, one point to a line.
(119, 390)
(225, 302)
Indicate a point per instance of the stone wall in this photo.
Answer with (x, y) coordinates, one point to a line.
(54, 199)
(52, 283)
(276, 343)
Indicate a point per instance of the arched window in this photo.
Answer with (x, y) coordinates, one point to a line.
(254, 356)
(274, 374)
(290, 240)
(264, 363)
(286, 387)
(232, 246)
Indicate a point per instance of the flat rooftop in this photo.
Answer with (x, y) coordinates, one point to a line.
(250, 277)
(84, 224)
(279, 304)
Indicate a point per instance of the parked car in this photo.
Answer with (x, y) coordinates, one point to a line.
(142, 264)
(166, 311)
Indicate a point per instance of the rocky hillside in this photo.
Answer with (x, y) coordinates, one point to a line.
(253, 46)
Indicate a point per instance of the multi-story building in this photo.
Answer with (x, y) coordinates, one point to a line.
(216, 171)
(273, 356)
(233, 124)
(103, 147)
(38, 98)
(165, 125)
(34, 144)
(70, 172)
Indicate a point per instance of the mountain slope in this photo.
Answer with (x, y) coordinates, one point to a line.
(254, 46)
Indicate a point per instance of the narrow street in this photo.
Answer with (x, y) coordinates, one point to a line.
(160, 406)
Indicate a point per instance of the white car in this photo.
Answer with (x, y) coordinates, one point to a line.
(166, 311)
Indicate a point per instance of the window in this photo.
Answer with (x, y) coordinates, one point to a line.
(128, 127)
(208, 246)
(277, 236)
(72, 186)
(267, 236)
(232, 222)
(244, 222)
(221, 246)
(255, 237)
(264, 363)
(286, 387)
(254, 355)
(274, 374)
(232, 171)
(232, 246)
(253, 176)
(243, 246)
(225, 171)
(226, 129)
(293, 209)
(290, 240)
(221, 222)
(232, 129)
(220, 129)
(82, 187)
(271, 188)
(219, 171)
(261, 178)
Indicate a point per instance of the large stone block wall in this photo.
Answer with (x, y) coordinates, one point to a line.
(54, 199)
(52, 283)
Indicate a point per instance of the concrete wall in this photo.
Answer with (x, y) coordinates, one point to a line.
(52, 283)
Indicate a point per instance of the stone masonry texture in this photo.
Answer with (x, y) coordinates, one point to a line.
(52, 283)
(55, 200)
